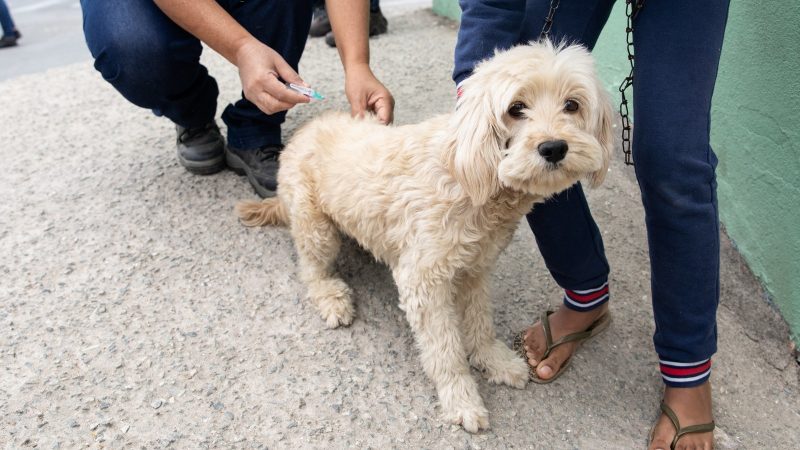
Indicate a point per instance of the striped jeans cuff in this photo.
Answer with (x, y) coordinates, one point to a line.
(677, 374)
(587, 299)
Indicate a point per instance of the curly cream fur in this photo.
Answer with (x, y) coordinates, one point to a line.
(438, 201)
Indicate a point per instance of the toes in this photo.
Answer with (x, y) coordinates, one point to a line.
(337, 314)
(549, 367)
(533, 347)
(501, 365)
(659, 444)
(532, 360)
(332, 297)
(473, 420)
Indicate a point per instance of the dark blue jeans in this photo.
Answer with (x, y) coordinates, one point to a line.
(677, 47)
(5, 20)
(155, 64)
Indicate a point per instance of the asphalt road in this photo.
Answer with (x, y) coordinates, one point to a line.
(53, 36)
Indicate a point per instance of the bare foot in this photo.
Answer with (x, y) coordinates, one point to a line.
(562, 322)
(693, 407)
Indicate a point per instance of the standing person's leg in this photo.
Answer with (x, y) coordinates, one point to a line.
(678, 48)
(580, 267)
(254, 138)
(6, 22)
(5, 19)
(10, 32)
(155, 64)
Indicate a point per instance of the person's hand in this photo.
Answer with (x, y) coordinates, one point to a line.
(259, 69)
(366, 93)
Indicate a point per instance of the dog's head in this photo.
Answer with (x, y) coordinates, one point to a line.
(533, 119)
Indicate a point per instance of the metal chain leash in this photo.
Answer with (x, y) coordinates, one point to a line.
(548, 21)
(632, 8)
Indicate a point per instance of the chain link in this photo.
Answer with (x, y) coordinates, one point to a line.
(548, 21)
(632, 8)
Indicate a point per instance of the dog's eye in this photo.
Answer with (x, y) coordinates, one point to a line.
(515, 110)
(571, 105)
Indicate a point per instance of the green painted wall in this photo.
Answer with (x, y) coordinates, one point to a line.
(756, 134)
(447, 8)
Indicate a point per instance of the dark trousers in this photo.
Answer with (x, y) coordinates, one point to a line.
(155, 64)
(6, 22)
(677, 48)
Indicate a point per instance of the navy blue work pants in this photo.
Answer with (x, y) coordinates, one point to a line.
(155, 64)
(677, 50)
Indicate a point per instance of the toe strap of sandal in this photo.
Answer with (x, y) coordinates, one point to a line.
(595, 328)
(550, 344)
(680, 432)
(519, 340)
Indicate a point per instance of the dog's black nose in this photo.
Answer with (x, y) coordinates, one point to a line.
(553, 151)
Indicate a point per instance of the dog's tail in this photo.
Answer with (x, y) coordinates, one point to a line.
(270, 211)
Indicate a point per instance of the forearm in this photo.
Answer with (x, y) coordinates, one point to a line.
(207, 21)
(350, 23)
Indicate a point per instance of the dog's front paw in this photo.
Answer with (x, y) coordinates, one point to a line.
(462, 404)
(472, 418)
(333, 300)
(501, 365)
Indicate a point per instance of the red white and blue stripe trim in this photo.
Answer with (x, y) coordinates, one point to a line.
(587, 299)
(679, 374)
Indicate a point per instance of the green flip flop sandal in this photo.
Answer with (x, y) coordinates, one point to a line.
(597, 327)
(680, 432)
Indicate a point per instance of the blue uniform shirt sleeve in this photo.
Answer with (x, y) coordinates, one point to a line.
(486, 25)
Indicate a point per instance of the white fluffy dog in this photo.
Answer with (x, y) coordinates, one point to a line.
(438, 202)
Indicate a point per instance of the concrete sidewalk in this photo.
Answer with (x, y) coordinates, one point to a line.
(135, 312)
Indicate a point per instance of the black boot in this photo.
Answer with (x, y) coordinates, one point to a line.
(260, 165)
(201, 150)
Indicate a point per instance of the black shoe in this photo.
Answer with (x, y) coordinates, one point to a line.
(377, 25)
(320, 24)
(201, 150)
(260, 165)
(10, 41)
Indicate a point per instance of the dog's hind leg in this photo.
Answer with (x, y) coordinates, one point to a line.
(318, 241)
(486, 353)
(429, 308)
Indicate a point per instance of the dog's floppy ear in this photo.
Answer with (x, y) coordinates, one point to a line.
(604, 132)
(477, 125)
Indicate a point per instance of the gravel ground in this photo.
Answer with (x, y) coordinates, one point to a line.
(135, 312)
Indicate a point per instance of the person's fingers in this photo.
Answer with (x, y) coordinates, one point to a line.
(280, 92)
(288, 74)
(381, 103)
(270, 104)
(358, 109)
(384, 109)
